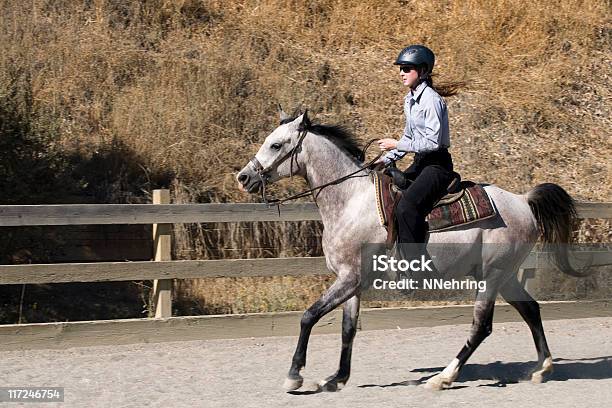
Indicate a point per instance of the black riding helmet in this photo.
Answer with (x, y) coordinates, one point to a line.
(417, 55)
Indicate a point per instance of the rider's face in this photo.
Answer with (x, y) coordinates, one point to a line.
(409, 75)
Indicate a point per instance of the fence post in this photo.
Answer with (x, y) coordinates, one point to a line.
(162, 288)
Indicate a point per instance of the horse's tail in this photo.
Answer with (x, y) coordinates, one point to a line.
(555, 212)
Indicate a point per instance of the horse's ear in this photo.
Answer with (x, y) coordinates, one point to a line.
(304, 121)
(282, 114)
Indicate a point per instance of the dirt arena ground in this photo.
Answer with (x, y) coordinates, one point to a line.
(388, 368)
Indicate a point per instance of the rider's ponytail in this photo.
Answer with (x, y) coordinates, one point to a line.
(445, 89)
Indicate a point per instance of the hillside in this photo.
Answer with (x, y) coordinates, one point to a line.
(104, 100)
(189, 88)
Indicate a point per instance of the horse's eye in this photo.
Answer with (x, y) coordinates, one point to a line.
(276, 146)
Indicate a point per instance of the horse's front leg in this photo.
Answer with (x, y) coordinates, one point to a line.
(350, 314)
(342, 289)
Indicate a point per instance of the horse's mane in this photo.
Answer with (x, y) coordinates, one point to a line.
(340, 135)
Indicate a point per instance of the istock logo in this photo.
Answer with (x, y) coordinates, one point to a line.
(383, 263)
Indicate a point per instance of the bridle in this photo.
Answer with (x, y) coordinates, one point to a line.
(263, 172)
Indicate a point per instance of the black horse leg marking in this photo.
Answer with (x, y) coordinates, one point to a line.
(482, 326)
(338, 293)
(529, 310)
(350, 314)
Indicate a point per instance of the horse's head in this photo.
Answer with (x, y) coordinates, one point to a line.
(278, 156)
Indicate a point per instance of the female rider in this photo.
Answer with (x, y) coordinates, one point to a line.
(427, 135)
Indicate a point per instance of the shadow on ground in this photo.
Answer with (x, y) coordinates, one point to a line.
(595, 368)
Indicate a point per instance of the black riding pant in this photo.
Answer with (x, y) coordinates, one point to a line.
(432, 173)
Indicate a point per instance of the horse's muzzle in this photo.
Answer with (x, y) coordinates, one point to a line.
(248, 183)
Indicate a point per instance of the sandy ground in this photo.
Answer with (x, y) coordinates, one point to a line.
(388, 366)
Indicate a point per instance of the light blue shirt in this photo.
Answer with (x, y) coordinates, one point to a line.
(426, 127)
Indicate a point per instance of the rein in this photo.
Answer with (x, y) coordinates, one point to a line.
(261, 171)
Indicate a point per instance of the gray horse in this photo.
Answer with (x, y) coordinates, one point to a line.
(322, 154)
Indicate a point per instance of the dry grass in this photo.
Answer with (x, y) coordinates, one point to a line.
(189, 89)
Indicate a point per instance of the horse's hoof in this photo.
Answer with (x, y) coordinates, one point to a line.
(540, 375)
(292, 384)
(437, 383)
(331, 384)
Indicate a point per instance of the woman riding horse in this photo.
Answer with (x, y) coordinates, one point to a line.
(495, 247)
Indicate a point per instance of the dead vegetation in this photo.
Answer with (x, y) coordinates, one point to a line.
(187, 89)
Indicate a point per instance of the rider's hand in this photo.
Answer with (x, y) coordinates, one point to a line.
(387, 144)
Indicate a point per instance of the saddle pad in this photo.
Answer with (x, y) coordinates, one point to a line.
(474, 205)
(387, 195)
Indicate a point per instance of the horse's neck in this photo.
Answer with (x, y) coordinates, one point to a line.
(325, 162)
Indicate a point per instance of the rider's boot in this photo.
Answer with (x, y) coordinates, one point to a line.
(399, 177)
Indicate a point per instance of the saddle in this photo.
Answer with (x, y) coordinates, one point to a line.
(466, 202)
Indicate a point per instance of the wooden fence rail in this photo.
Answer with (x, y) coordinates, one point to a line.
(225, 268)
(145, 270)
(162, 270)
(83, 214)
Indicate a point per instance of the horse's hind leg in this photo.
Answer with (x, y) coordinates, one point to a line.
(341, 290)
(517, 296)
(482, 326)
(350, 314)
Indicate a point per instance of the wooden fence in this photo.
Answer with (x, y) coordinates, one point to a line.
(162, 269)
